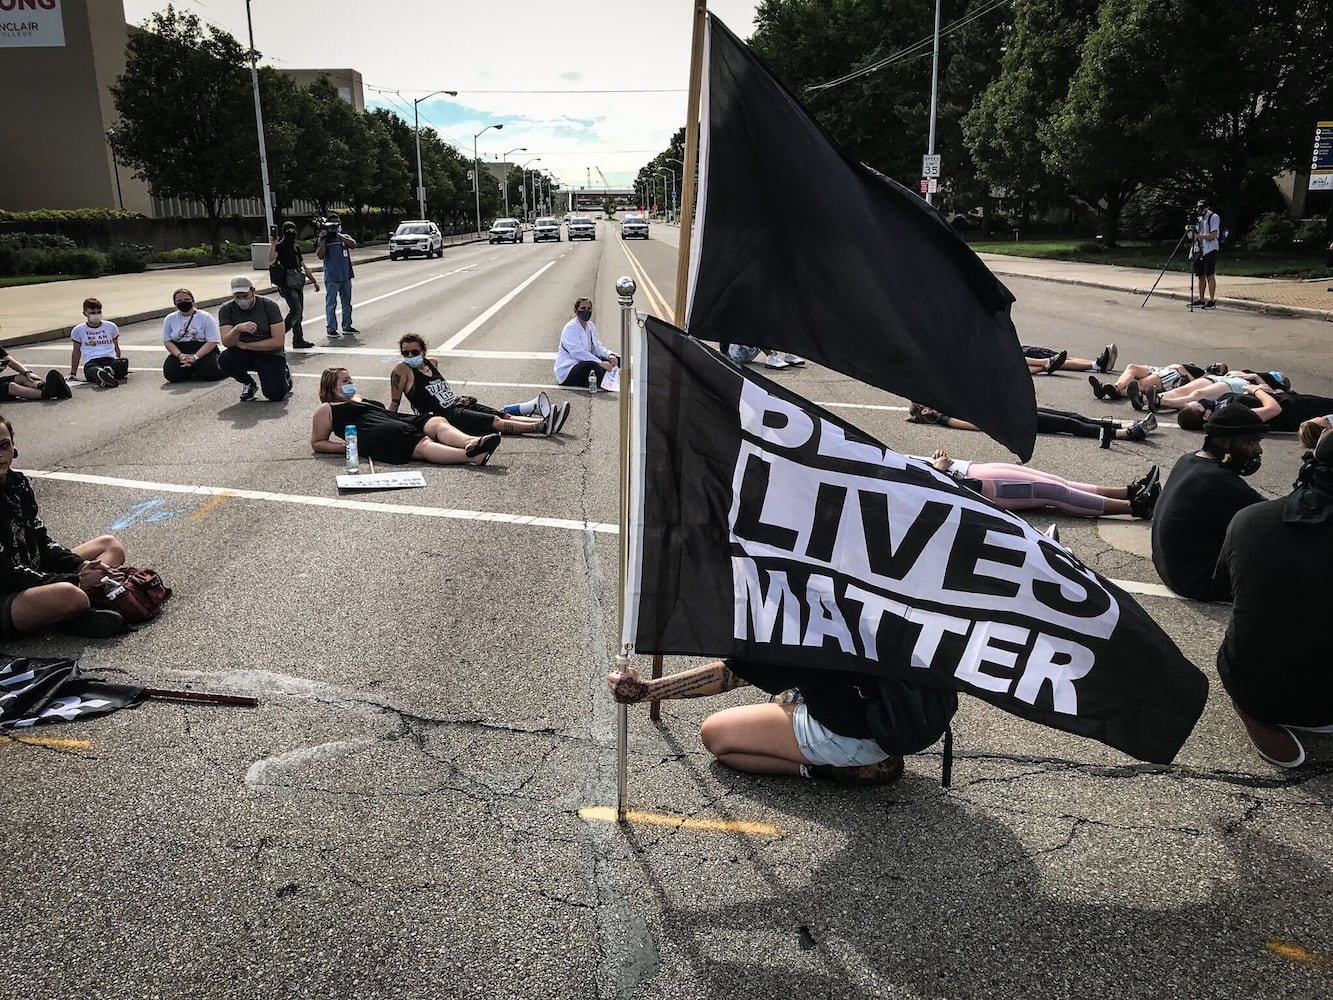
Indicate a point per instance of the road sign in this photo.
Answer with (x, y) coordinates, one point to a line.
(930, 165)
(925, 185)
(1321, 159)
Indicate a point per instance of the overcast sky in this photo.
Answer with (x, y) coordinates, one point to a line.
(512, 61)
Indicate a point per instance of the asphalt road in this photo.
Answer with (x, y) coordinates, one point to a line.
(401, 816)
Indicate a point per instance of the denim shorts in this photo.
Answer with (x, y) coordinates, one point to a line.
(821, 745)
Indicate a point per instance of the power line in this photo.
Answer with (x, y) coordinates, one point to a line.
(910, 51)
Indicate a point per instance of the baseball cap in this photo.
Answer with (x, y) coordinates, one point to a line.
(1236, 421)
(241, 283)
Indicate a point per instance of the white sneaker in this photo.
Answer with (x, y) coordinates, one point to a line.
(795, 360)
(774, 361)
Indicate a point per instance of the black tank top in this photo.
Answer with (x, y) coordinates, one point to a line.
(366, 414)
(430, 394)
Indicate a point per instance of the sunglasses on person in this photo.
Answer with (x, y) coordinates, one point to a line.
(409, 352)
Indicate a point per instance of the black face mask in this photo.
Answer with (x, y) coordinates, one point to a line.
(1240, 466)
(584, 314)
(185, 305)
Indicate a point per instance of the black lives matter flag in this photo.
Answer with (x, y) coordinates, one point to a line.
(35, 690)
(799, 247)
(768, 529)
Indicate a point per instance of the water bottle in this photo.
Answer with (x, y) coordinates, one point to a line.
(353, 458)
(592, 381)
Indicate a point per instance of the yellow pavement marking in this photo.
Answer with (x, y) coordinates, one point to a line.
(1295, 953)
(48, 741)
(210, 506)
(656, 300)
(606, 814)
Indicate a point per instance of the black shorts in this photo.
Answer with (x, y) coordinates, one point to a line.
(392, 443)
(474, 420)
(7, 628)
(5, 383)
(1039, 353)
(1206, 264)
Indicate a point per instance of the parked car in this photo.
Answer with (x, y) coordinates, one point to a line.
(418, 236)
(506, 231)
(582, 229)
(633, 227)
(545, 229)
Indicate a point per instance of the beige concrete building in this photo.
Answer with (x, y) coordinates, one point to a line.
(60, 58)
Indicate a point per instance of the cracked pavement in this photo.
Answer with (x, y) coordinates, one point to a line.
(400, 817)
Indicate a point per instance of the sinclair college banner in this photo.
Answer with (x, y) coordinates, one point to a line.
(31, 24)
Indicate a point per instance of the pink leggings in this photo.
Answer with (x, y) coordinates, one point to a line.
(1014, 487)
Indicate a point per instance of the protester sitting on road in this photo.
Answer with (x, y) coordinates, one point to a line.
(389, 437)
(1021, 487)
(1144, 377)
(829, 724)
(581, 353)
(254, 336)
(1273, 661)
(289, 277)
(1048, 361)
(1049, 422)
(419, 379)
(192, 340)
(1283, 411)
(1202, 494)
(43, 583)
(97, 345)
(23, 384)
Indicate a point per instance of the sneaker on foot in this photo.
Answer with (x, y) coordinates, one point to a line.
(561, 415)
(1113, 355)
(543, 404)
(1053, 533)
(55, 386)
(249, 392)
(775, 361)
(1276, 744)
(1197, 302)
(332, 334)
(1143, 502)
(795, 360)
(298, 344)
(1057, 362)
(105, 376)
(1154, 399)
(1136, 432)
(548, 426)
(1212, 304)
(1098, 389)
(889, 770)
(95, 623)
(1146, 481)
(1135, 395)
(1149, 423)
(350, 329)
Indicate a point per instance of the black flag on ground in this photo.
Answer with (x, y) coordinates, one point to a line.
(800, 248)
(773, 531)
(34, 691)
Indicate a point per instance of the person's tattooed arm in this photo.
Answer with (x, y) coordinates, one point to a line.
(699, 682)
(395, 390)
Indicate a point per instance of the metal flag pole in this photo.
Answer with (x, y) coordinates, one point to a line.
(687, 210)
(625, 289)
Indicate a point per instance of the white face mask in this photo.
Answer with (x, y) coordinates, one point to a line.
(94, 317)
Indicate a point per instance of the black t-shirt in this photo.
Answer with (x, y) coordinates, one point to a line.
(1274, 660)
(289, 256)
(838, 699)
(1298, 407)
(1198, 501)
(265, 313)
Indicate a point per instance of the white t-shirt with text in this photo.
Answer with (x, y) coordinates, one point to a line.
(96, 341)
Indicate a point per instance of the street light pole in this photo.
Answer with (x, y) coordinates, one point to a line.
(526, 184)
(416, 128)
(115, 163)
(476, 172)
(259, 123)
(673, 189)
(934, 91)
(505, 185)
(674, 207)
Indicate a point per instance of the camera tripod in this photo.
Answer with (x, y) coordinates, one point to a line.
(1186, 236)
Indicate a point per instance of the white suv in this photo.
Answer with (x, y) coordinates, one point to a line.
(545, 229)
(506, 231)
(417, 236)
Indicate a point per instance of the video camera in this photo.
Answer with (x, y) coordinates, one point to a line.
(326, 227)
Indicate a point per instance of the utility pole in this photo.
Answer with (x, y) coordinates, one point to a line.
(934, 92)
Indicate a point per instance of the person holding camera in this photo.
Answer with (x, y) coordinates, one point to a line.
(253, 335)
(1204, 491)
(1205, 233)
(288, 270)
(335, 250)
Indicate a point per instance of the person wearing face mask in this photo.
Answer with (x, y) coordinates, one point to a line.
(253, 335)
(1275, 558)
(580, 351)
(335, 248)
(389, 437)
(23, 384)
(289, 272)
(419, 379)
(1204, 491)
(97, 345)
(42, 583)
(192, 341)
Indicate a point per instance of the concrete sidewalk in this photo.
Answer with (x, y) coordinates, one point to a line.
(48, 311)
(1310, 299)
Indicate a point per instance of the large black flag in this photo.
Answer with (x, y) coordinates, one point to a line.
(36, 690)
(800, 248)
(771, 530)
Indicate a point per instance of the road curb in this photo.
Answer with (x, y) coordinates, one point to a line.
(1246, 305)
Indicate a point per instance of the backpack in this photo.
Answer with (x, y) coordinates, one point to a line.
(277, 274)
(908, 718)
(136, 594)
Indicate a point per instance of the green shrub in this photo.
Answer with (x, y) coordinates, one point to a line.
(42, 241)
(1275, 229)
(69, 215)
(126, 259)
(83, 262)
(1310, 234)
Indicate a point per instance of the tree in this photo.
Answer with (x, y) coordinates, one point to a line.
(186, 113)
(328, 132)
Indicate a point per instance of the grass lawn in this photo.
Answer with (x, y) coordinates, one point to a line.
(34, 279)
(1291, 264)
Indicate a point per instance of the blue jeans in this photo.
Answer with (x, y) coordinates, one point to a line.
(333, 291)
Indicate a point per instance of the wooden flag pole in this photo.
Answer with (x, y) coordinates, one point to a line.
(687, 210)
